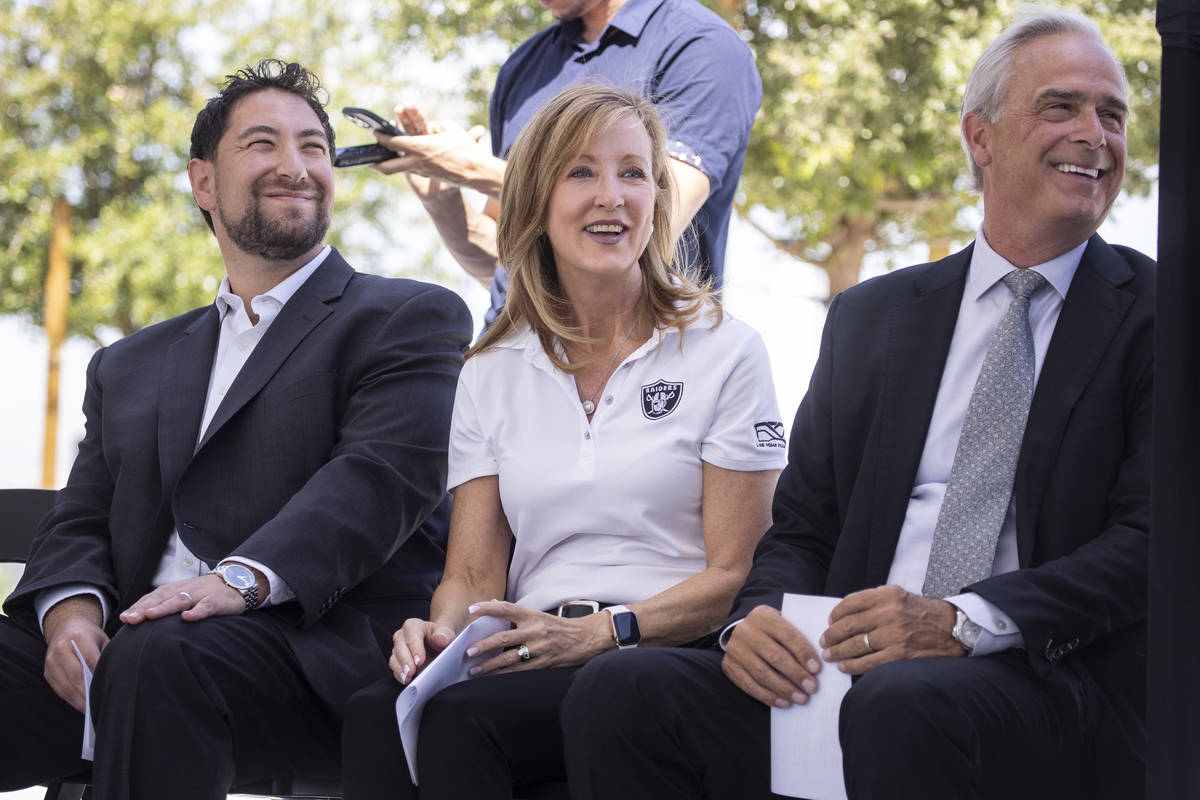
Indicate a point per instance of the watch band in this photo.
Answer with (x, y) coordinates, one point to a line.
(251, 597)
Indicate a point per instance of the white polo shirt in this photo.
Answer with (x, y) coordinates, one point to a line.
(610, 510)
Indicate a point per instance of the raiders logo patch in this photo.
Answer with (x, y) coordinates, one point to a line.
(769, 435)
(660, 398)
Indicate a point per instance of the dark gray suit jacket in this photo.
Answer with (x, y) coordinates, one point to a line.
(324, 461)
(1082, 485)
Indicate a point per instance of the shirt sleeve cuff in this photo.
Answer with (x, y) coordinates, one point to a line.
(280, 591)
(52, 597)
(999, 632)
(683, 153)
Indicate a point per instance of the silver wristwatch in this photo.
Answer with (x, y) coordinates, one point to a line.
(240, 578)
(965, 632)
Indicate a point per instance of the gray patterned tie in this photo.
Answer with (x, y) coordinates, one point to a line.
(981, 479)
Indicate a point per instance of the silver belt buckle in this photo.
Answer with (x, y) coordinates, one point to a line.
(594, 605)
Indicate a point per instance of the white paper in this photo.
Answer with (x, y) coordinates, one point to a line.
(806, 756)
(88, 751)
(449, 667)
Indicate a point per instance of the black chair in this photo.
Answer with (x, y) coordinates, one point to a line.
(20, 512)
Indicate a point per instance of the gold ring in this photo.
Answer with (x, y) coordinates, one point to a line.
(867, 642)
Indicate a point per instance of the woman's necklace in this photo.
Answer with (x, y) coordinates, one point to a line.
(589, 405)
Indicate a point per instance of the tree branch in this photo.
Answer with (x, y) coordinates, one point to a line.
(797, 248)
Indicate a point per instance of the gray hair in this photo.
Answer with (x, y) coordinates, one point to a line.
(992, 73)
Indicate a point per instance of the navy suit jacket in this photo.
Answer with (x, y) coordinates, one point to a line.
(1082, 485)
(324, 461)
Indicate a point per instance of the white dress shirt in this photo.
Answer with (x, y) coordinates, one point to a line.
(985, 300)
(236, 341)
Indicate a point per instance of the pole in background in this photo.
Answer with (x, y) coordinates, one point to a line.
(58, 297)
(1173, 690)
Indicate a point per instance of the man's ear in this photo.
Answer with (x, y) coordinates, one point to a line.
(977, 134)
(200, 173)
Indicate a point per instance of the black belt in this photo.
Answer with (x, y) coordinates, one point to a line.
(572, 609)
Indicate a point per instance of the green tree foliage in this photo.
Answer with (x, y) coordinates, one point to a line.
(856, 146)
(94, 94)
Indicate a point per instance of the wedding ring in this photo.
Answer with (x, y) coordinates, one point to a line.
(188, 596)
(867, 642)
(523, 653)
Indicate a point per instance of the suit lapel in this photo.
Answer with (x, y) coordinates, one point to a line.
(303, 312)
(1091, 315)
(182, 392)
(920, 330)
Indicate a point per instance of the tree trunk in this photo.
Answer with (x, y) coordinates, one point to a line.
(58, 282)
(845, 260)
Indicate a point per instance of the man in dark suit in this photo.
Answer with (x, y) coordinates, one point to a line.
(1022, 675)
(248, 518)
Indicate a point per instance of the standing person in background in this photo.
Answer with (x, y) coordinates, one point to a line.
(614, 431)
(248, 517)
(676, 53)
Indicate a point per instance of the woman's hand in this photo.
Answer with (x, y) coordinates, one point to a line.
(415, 645)
(551, 641)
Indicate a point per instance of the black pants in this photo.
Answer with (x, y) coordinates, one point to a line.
(41, 735)
(666, 723)
(181, 710)
(478, 738)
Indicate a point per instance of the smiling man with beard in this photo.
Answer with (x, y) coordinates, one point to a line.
(251, 512)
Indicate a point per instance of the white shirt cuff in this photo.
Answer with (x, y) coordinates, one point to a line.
(279, 592)
(999, 631)
(52, 597)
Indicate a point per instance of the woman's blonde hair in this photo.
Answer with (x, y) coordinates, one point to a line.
(554, 137)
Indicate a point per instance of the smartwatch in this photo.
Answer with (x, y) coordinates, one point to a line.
(625, 627)
(965, 632)
(240, 578)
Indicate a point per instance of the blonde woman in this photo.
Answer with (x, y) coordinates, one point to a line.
(614, 447)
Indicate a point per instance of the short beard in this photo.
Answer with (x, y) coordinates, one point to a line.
(276, 239)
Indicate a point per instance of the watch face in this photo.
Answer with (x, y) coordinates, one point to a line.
(966, 632)
(970, 633)
(626, 627)
(238, 577)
